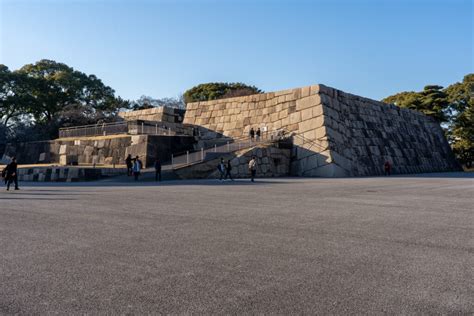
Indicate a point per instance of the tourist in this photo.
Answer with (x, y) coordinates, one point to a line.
(253, 168)
(221, 168)
(137, 167)
(228, 170)
(252, 134)
(4, 174)
(387, 168)
(258, 134)
(129, 163)
(12, 174)
(157, 169)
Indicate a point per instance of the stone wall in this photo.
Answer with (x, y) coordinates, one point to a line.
(102, 150)
(159, 114)
(364, 133)
(335, 133)
(66, 174)
(271, 162)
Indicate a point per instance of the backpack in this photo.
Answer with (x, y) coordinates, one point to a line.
(4, 172)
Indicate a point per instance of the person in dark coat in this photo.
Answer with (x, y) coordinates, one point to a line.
(12, 174)
(252, 134)
(157, 169)
(228, 170)
(259, 133)
(129, 163)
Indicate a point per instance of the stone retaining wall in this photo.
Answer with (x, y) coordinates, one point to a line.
(66, 174)
(271, 162)
(160, 114)
(336, 134)
(103, 150)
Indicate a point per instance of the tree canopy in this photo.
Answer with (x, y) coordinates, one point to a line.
(218, 90)
(146, 102)
(52, 94)
(432, 101)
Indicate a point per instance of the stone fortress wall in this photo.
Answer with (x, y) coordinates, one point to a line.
(159, 114)
(336, 133)
(164, 117)
(100, 150)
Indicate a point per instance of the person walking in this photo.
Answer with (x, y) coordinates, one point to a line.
(12, 174)
(157, 169)
(387, 168)
(221, 168)
(129, 163)
(137, 167)
(228, 169)
(4, 174)
(253, 168)
(252, 134)
(258, 133)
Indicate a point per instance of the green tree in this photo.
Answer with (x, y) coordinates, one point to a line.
(59, 87)
(15, 96)
(461, 129)
(432, 101)
(146, 102)
(218, 90)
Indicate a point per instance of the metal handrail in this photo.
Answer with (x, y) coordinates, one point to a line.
(242, 142)
(127, 127)
(304, 139)
(93, 125)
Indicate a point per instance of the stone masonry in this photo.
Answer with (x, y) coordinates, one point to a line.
(271, 162)
(335, 133)
(159, 114)
(100, 150)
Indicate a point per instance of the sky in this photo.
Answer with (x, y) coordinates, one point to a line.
(162, 48)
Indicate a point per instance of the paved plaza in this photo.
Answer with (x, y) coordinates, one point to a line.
(402, 245)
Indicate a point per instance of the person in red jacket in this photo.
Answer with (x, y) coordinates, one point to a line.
(387, 167)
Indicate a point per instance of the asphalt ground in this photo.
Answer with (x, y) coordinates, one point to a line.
(398, 245)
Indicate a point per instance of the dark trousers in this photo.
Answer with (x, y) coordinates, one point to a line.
(252, 175)
(227, 173)
(157, 175)
(387, 172)
(12, 179)
(136, 174)
(222, 174)
(129, 170)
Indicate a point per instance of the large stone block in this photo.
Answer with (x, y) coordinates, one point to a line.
(307, 102)
(310, 124)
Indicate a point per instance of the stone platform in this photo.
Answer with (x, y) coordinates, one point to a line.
(67, 174)
(338, 134)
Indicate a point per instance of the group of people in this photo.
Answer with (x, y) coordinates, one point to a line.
(255, 135)
(135, 166)
(10, 174)
(225, 169)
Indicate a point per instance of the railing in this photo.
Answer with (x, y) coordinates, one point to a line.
(304, 140)
(125, 127)
(209, 153)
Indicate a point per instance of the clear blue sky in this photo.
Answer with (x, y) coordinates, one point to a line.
(161, 48)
